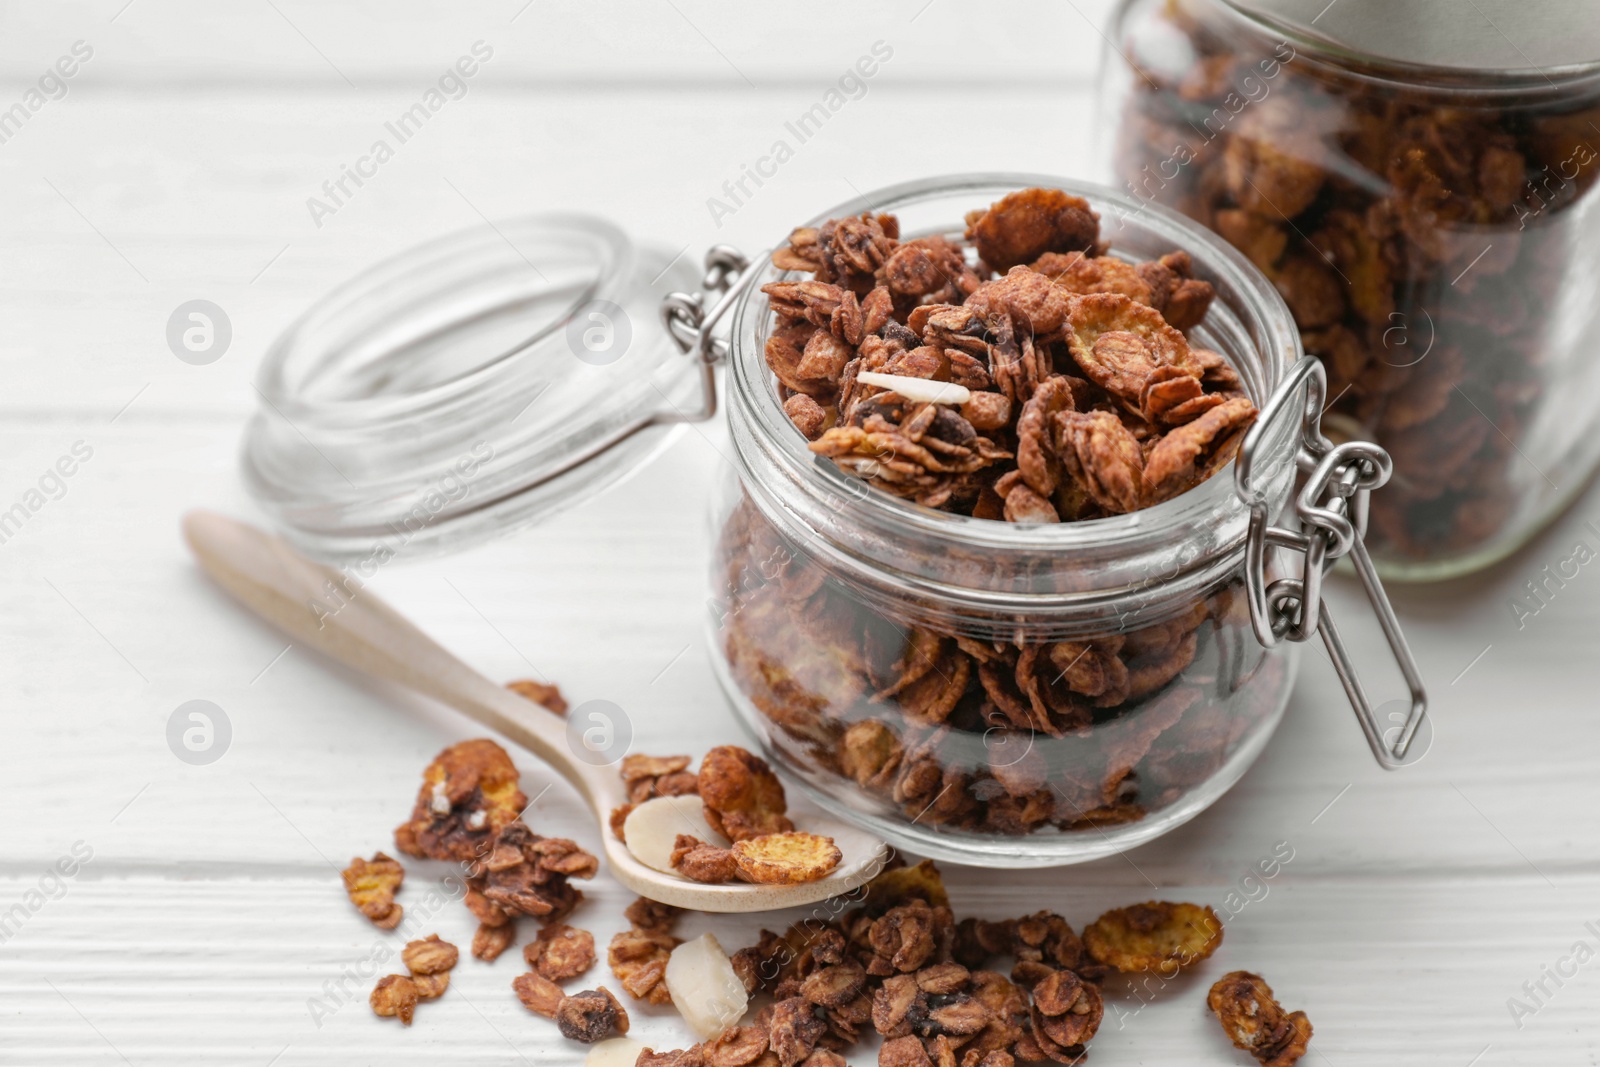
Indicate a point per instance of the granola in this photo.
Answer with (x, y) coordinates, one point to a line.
(538, 994)
(591, 1016)
(560, 952)
(700, 861)
(522, 873)
(469, 792)
(638, 956)
(1065, 328)
(1255, 1022)
(742, 797)
(545, 695)
(429, 955)
(1014, 733)
(489, 942)
(394, 997)
(372, 885)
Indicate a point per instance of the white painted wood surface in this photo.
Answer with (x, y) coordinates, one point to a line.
(178, 166)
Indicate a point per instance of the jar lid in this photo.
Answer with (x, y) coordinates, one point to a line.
(1496, 36)
(481, 381)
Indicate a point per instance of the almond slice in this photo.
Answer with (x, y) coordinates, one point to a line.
(921, 390)
(652, 828)
(704, 986)
(614, 1052)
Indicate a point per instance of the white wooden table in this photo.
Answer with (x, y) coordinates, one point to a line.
(210, 919)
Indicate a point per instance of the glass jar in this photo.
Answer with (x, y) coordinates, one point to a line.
(1420, 189)
(990, 692)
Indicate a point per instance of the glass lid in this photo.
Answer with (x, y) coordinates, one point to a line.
(480, 381)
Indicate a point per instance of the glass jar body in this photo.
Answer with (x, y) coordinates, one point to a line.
(973, 740)
(990, 692)
(1436, 237)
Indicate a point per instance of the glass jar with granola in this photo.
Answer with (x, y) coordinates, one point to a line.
(980, 578)
(1418, 182)
(996, 571)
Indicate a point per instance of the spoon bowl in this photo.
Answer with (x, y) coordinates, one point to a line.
(270, 578)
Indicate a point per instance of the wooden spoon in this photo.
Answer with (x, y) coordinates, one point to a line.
(266, 575)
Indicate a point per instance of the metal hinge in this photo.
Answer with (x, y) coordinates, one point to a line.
(1331, 509)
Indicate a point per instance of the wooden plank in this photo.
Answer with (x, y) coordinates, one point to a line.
(1400, 971)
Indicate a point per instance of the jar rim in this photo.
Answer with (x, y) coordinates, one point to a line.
(1213, 505)
(1360, 62)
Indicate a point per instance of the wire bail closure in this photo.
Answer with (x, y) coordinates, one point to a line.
(684, 315)
(1331, 509)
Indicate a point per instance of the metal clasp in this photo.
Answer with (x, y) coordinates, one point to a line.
(690, 325)
(1331, 509)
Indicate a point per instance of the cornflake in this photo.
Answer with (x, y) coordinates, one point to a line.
(789, 858)
(1155, 936)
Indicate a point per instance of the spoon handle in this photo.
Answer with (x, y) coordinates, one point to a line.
(351, 625)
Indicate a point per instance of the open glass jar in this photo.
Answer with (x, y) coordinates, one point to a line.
(1001, 693)
(971, 689)
(1419, 183)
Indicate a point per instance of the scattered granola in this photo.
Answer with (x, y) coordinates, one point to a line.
(638, 956)
(591, 1016)
(1156, 936)
(429, 956)
(522, 873)
(560, 952)
(469, 792)
(431, 986)
(394, 997)
(1255, 1022)
(371, 886)
(547, 696)
(537, 993)
(490, 941)
(898, 964)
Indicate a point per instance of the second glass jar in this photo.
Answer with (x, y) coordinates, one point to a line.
(1434, 230)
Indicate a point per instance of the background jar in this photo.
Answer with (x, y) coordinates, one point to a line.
(1424, 201)
(983, 691)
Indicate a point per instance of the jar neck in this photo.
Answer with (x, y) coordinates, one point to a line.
(959, 567)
